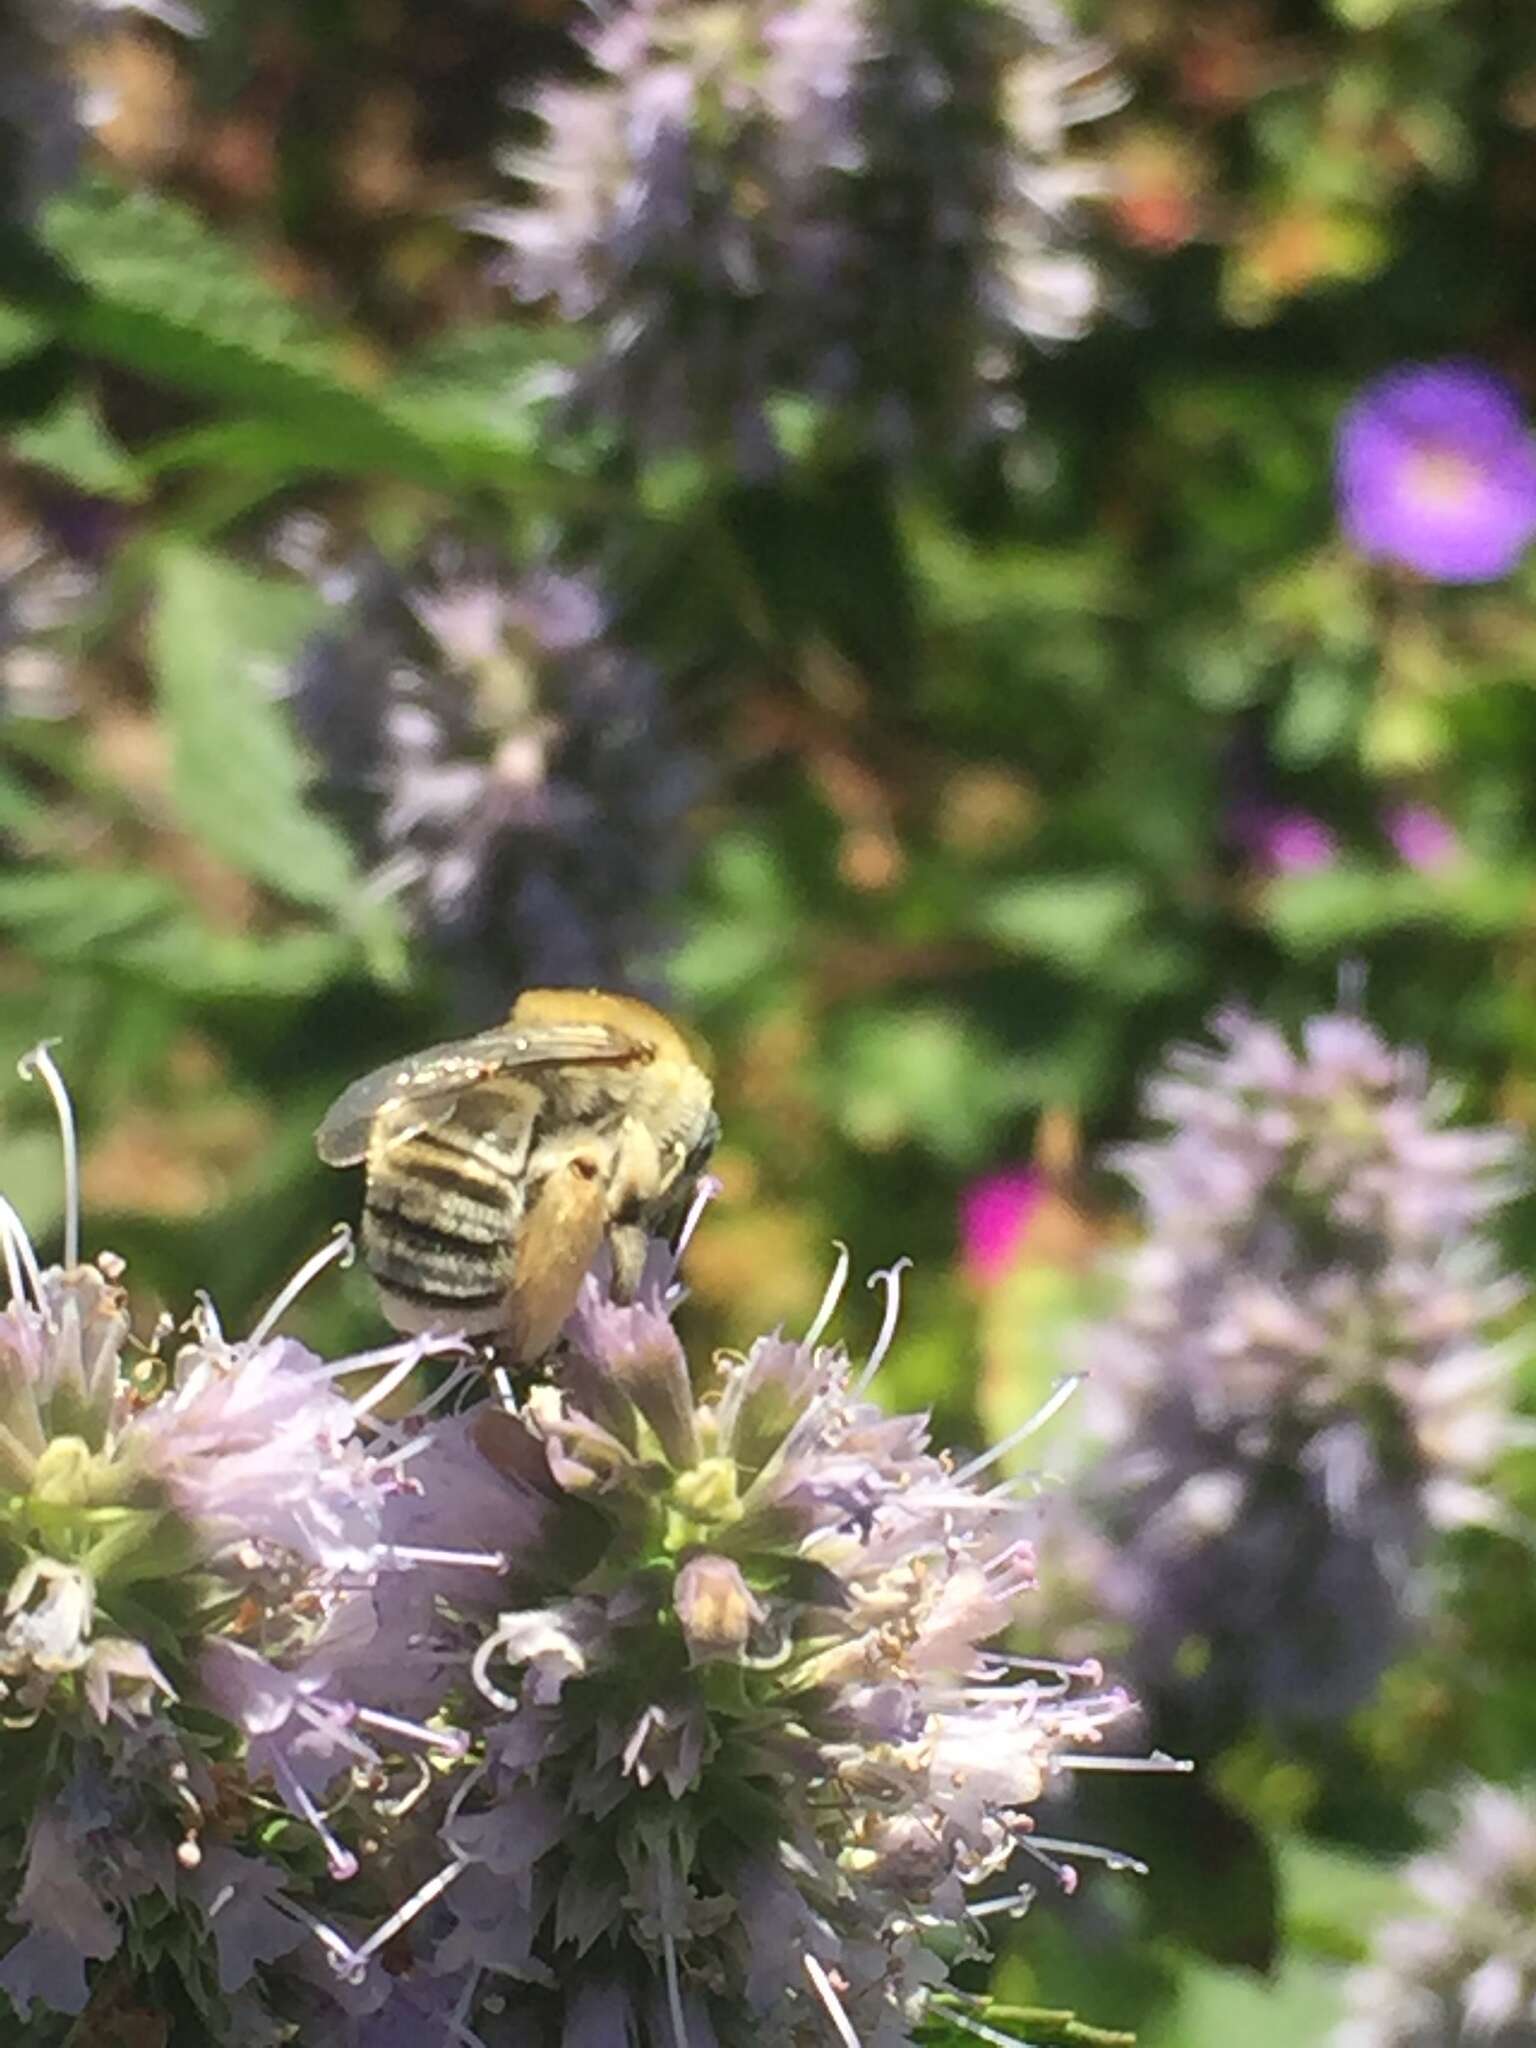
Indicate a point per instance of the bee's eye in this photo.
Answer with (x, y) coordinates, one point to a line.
(585, 1166)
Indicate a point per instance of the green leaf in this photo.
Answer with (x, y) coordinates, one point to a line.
(1338, 906)
(168, 298)
(141, 926)
(22, 333)
(1077, 922)
(72, 442)
(1031, 2026)
(237, 776)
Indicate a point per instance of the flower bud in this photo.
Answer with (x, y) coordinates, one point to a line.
(716, 1607)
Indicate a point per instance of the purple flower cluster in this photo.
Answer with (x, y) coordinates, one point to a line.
(1308, 1376)
(664, 1707)
(184, 1543)
(1462, 1965)
(1436, 470)
(741, 1743)
(507, 768)
(810, 197)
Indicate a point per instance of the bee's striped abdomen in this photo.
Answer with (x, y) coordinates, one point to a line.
(439, 1222)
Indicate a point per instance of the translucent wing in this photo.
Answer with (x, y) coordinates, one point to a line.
(432, 1081)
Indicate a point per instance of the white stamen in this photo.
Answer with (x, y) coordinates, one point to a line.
(1112, 1859)
(1016, 1902)
(452, 1740)
(1091, 1671)
(343, 1864)
(38, 1064)
(402, 1917)
(20, 1258)
(501, 1380)
(387, 1382)
(823, 1986)
(340, 1247)
(1064, 1391)
(831, 1298)
(1157, 1761)
(480, 1672)
(204, 1321)
(703, 1195)
(221, 1901)
(335, 1727)
(890, 1280)
(474, 1560)
(675, 1991)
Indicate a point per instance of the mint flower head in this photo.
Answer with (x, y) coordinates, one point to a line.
(1460, 1966)
(1311, 1372)
(504, 765)
(184, 1540)
(868, 206)
(751, 1764)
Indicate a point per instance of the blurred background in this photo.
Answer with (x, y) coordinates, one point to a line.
(944, 540)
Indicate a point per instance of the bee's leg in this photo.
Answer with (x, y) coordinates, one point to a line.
(628, 1243)
(633, 1187)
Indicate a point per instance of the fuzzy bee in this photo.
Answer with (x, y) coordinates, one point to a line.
(498, 1165)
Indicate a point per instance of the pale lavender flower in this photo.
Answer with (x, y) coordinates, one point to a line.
(43, 591)
(810, 197)
(165, 1521)
(505, 767)
(1310, 1374)
(1283, 840)
(1436, 470)
(1461, 1967)
(742, 1735)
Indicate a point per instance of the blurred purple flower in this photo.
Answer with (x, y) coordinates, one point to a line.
(995, 1215)
(1282, 841)
(1307, 1378)
(1422, 837)
(1436, 470)
(1460, 1966)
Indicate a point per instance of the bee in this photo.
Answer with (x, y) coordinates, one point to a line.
(497, 1166)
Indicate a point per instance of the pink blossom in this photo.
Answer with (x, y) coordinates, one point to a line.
(995, 1215)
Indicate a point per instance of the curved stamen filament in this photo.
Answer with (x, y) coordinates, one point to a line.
(339, 1247)
(890, 1280)
(21, 1265)
(832, 1297)
(826, 1991)
(38, 1064)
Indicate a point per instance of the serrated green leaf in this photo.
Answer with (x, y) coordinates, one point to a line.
(72, 442)
(168, 298)
(1074, 921)
(1344, 905)
(237, 775)
(141, 926)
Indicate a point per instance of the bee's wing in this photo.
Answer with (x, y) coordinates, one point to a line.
(428, 1084)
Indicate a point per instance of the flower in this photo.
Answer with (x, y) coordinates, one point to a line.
(734, 1696)
(1308, 1376)
(995, 1215)
(188, 1549)
(1422, 838)
(42, 592)
(1282, 841)
(1463, 1967)
(509, 770)
(783, 197)
(1436, 470)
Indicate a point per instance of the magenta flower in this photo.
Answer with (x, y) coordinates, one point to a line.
(1436, 470)
(1422, 837)
(1281, 841)
(995, 1214)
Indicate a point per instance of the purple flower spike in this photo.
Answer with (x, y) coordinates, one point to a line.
(1436, 470)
